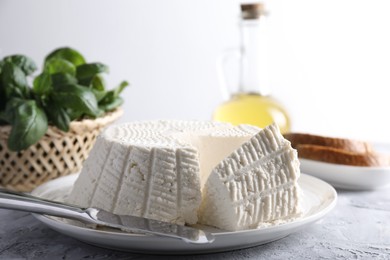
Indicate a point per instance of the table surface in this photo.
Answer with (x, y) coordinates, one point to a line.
(357, 228)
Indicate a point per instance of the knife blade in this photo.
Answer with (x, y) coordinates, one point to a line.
(25, 202)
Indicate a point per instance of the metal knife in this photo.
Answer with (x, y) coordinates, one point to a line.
(24, 202)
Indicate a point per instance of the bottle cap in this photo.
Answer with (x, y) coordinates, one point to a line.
(252, 11)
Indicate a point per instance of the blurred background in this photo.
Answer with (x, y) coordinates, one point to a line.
(329, 61)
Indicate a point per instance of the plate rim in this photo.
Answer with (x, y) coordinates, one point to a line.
(346, 176)
(290, 226)
(351, 167)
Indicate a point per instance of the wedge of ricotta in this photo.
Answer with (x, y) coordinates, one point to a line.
(155, 169)
(256, 184)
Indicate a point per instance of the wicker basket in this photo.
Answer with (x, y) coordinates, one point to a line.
(56, 154)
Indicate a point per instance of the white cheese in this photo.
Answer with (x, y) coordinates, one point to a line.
(257, 183)
(157, 170)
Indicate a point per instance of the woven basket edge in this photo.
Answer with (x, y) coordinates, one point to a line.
(75, 126)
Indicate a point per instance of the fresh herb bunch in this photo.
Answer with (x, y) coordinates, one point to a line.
(67, 89)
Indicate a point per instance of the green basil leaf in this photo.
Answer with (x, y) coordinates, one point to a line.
(3, 120)
(98, 87)
(63, 79)
(77, 98)
(57, 65)
(86, 72)
(99, 94)
(1, 65)
(98, 83)
(58, 116)
(116, 102)
(68, 54)
(11, 108)
(14, 81)
(113, 94)
(3, 116)
(42, 84)
(108, 98)
(120, 88)
(3, 98)
(74, 115)
(26, 64)
(28, 126)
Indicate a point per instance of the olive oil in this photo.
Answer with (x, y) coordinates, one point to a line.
(252, 102)
(253, 109)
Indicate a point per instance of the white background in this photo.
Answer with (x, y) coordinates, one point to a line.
(330, 60)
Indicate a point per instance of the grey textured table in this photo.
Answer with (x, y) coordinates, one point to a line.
(358, 228)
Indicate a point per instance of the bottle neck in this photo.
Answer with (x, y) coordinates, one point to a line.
(253, 67)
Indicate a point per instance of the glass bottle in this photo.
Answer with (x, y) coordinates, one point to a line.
(252, 104)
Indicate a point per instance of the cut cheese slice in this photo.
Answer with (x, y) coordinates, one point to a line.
(256, 184)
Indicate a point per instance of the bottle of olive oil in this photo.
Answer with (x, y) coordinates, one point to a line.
(253, 104)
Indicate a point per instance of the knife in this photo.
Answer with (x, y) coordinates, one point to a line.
(25, 202)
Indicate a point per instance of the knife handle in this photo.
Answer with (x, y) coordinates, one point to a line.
(24, 202)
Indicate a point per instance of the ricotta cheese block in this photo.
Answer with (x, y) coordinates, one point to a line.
(256, 184)
(160, 169)
(155, 169)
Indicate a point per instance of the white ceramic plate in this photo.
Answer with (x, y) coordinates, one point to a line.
(318, 199)
(350, 177)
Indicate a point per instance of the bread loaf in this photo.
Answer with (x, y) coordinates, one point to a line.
(336, 150)
(337, 143)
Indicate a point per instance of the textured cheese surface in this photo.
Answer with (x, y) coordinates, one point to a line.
(155, 169)
(256, 184)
